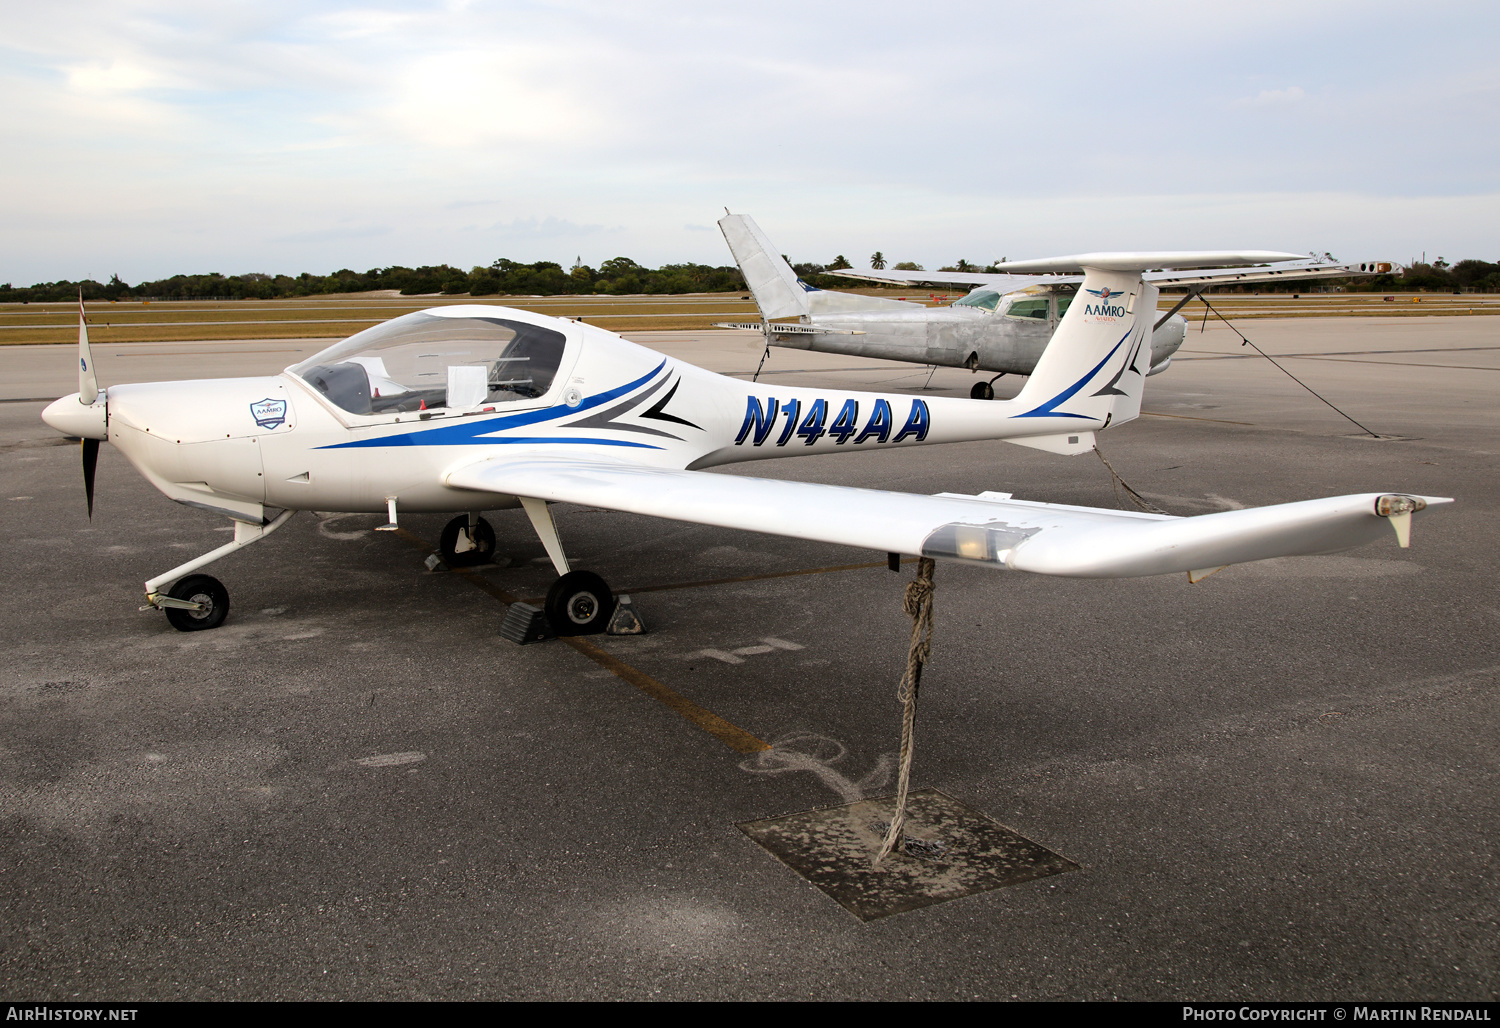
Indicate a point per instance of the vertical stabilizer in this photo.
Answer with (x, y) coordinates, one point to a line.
(1094, 368)
(772, 281)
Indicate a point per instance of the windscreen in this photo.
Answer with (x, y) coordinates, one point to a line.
(423, 361)
(984, 299)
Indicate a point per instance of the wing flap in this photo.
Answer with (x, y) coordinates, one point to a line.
(1054, 539)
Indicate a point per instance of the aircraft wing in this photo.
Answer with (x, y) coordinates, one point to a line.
(1007, 283)
(1292, 270)
(966, 279)
(992, 528)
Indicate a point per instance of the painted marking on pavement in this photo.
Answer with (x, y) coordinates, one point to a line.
(392, 759)
(730, 735)
(736, 656)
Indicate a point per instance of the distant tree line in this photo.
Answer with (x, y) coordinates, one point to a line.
(619, 275)
(1468, 276)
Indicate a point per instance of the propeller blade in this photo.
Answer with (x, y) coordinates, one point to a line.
(88, 382)
(90, 461)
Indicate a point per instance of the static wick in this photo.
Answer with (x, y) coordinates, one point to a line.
(917, 603)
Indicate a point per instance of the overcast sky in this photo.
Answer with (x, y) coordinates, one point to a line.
(147, 138)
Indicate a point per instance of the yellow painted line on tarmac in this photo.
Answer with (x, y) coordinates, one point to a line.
(1189, 417)
(730, 735)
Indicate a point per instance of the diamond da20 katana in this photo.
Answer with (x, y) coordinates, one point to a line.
(475, 408)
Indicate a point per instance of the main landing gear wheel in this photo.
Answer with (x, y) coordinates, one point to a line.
(982, 391)
(579, 603)
(480, 543)
(202, 589)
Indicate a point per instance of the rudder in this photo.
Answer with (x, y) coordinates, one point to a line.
(772, 281)
(1095, 366)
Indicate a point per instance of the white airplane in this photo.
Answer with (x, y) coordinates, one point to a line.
(1001, 326)
(472, 408)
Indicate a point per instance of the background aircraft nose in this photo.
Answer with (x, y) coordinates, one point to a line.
(72, 417)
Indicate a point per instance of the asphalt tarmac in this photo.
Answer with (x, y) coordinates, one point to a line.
(1280, 783)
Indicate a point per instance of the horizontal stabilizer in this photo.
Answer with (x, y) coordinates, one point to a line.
(1068, 445)
(779, 329)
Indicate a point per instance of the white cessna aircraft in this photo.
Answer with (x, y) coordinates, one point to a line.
(1002, 325)
(472, 408)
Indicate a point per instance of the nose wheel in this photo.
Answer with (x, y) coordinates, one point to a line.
(579, 603)
(466, 545)
(210, 602)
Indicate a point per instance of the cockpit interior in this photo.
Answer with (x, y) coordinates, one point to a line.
(424, 361)
(1025, 306)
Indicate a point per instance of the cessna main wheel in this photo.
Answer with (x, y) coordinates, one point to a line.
(982, 391)
(204, 589)
(579, 603)
(480, 543)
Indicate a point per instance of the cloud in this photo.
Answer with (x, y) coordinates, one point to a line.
(153, 135)
(1273, 97)
(335, 234)
(547, 228)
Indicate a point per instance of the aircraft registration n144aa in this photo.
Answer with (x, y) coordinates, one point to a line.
(472, 408)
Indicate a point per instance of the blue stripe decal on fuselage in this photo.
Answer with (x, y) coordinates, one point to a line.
(506, 440)
(476, 431)
(1049, 409)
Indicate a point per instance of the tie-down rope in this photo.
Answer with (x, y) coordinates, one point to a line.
(917, 602)
(1244, 341)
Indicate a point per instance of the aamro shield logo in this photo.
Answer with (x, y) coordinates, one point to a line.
(268, 413)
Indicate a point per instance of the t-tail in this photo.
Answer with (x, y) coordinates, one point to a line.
(1094, 369)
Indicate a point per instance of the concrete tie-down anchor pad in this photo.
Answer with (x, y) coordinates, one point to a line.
(950, 850)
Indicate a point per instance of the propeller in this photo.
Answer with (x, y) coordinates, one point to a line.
(88, 382)
(90, 461)
(84, 415)
(88, 394)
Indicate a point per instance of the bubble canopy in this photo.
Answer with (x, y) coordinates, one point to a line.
(423, 361)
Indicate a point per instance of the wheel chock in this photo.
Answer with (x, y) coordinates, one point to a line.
(525, 623)
(625, 620)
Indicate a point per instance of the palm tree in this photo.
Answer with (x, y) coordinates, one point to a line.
(877, 260)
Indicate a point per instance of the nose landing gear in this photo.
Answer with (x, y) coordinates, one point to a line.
(197, 602)
(208, 600)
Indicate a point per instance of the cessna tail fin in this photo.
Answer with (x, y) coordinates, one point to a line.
(772, 281)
